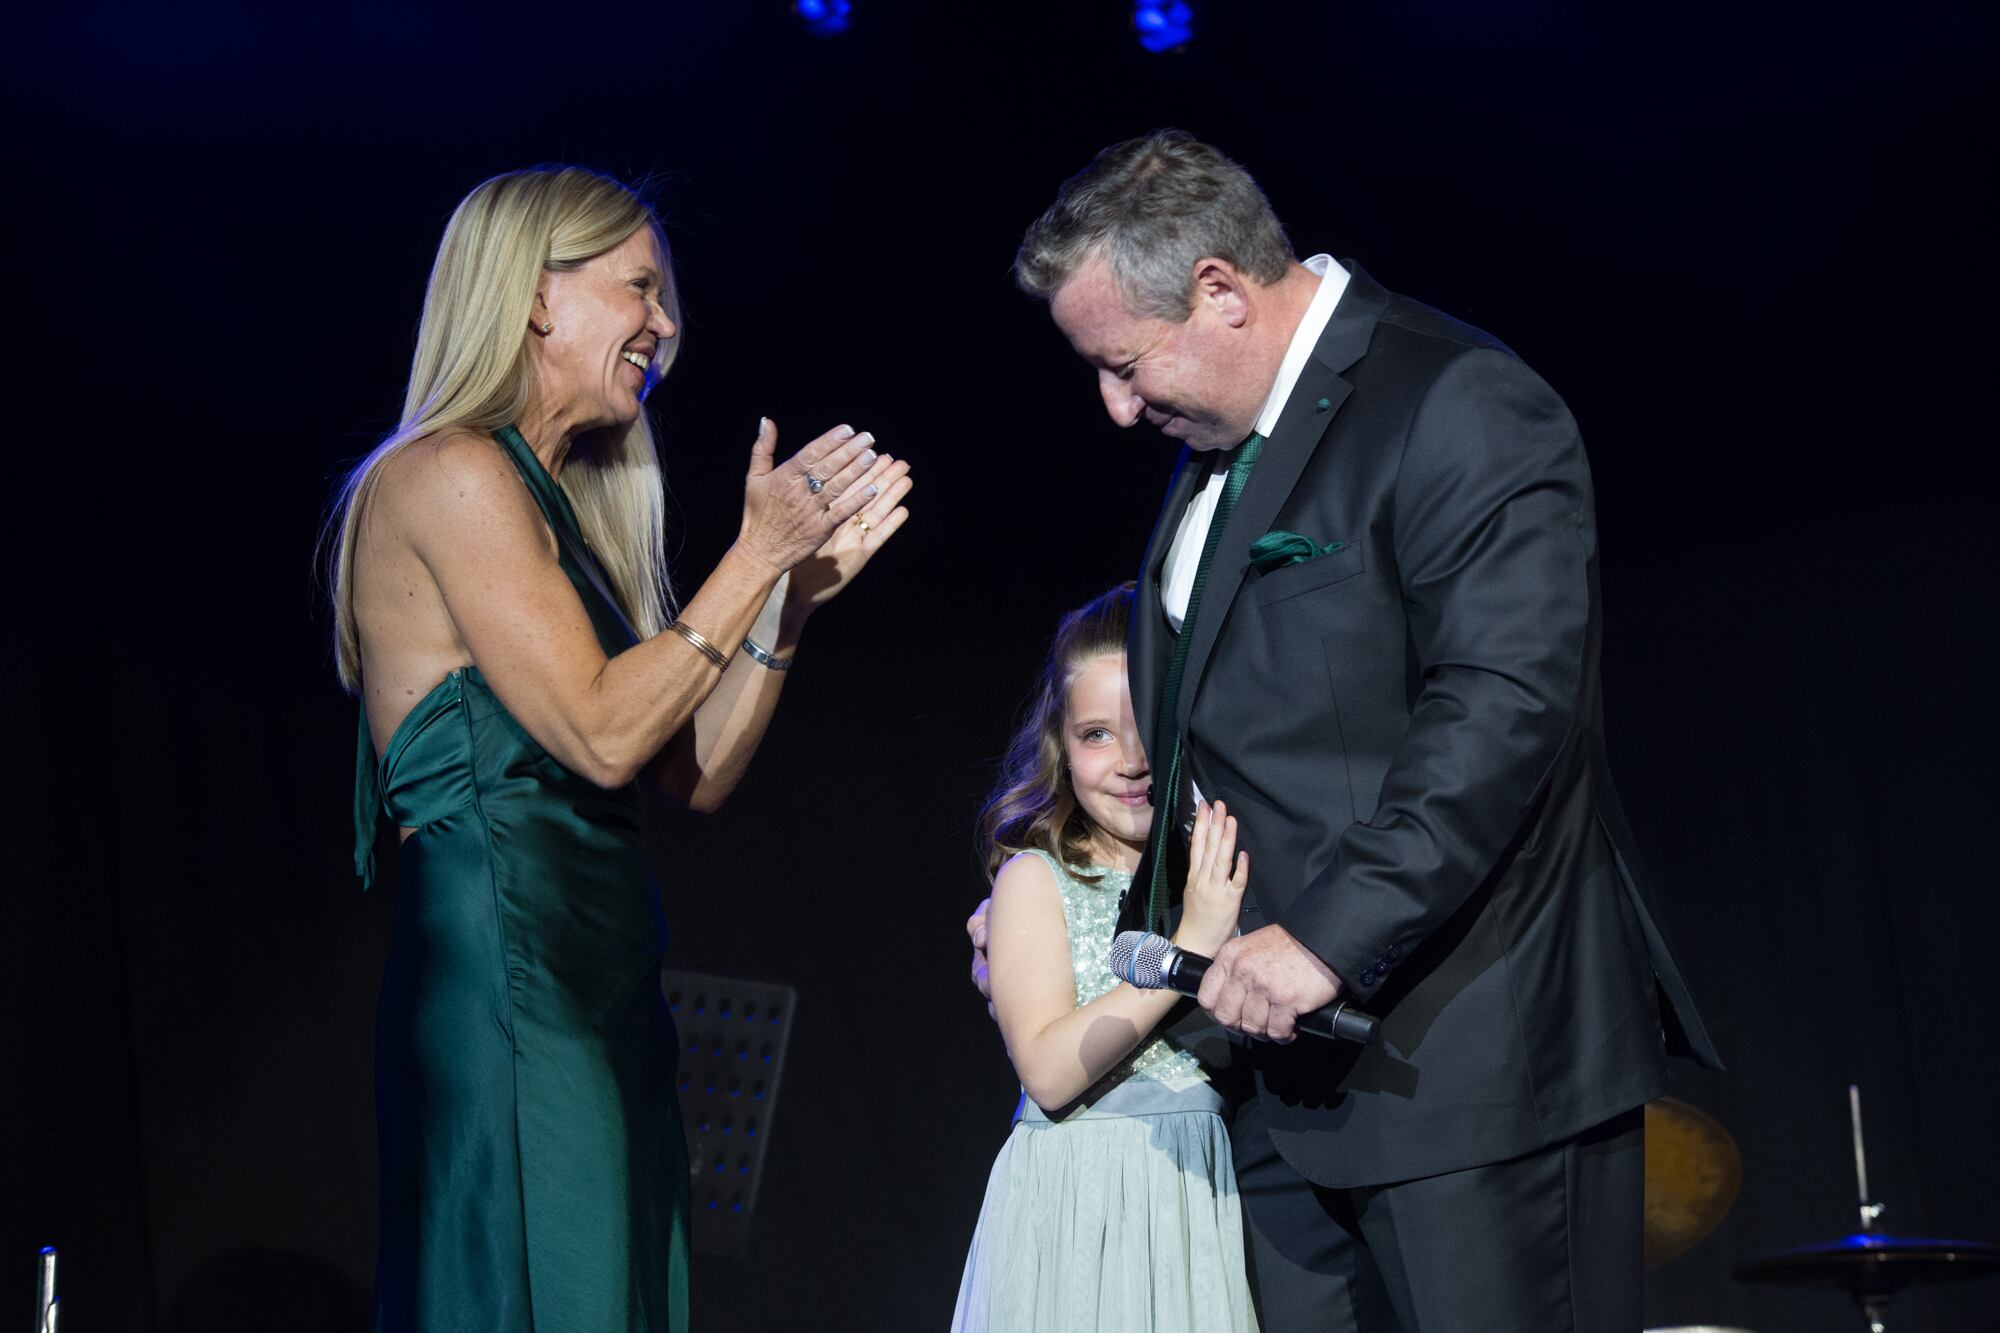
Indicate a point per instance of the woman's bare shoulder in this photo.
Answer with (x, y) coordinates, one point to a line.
(452, 477)
(448, 462)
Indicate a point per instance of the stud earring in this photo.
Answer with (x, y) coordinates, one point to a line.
(548, 328)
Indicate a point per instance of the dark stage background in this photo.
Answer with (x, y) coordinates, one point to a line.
(1754, 250)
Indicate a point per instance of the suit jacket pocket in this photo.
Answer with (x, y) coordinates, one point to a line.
(1304, 577)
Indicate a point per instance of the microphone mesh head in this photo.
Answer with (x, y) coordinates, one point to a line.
(1140, 957)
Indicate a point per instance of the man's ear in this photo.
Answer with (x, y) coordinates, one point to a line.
(1224, 290)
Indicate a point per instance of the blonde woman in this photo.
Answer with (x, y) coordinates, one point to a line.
(503, 612)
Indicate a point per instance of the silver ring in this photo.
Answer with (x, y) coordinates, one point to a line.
(813, 484)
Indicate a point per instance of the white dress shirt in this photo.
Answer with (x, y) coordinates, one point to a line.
(1177, 573)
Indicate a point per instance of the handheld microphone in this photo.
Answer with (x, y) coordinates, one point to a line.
(1154, 962)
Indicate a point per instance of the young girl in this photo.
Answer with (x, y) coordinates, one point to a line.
(1113, 1204)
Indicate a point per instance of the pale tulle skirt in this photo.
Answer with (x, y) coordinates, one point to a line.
(1121, 1219)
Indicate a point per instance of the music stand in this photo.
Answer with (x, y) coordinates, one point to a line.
(733, 1035)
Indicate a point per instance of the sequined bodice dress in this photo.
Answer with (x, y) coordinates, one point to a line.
(1118, 1213)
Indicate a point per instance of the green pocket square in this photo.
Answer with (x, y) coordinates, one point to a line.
(1275, 550)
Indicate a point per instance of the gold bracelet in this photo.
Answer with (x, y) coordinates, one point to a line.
(701, 644)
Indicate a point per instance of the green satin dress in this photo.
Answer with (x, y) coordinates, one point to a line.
(534, 1173)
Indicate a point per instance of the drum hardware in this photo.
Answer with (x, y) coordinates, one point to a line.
(1870, 1266)
(45, 1302)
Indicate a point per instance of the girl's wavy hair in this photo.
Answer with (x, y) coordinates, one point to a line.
(1033, 804)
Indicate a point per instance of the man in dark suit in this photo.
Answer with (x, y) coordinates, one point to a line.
(1368, 620)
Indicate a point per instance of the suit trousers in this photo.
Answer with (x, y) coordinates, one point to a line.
(1547, 1242)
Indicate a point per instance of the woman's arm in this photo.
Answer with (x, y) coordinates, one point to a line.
(703, 763)
(1059, 1049)
(477, 531)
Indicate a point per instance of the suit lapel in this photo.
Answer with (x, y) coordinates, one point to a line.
(1302, 427)
(1148, 644)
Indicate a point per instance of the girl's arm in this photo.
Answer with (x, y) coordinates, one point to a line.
(1059, 1050)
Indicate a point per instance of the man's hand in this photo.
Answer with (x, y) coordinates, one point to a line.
(1261, 982)
(975, 930)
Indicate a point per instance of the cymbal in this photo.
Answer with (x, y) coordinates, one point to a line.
(1693, 1172)
(1868, 1264)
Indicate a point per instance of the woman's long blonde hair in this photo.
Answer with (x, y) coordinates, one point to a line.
(472, 372)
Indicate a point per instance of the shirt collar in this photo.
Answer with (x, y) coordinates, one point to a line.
(1332, 282)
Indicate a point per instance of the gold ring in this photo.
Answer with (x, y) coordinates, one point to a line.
(862, 522)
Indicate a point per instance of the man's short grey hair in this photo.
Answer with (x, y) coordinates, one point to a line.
(1153, 206)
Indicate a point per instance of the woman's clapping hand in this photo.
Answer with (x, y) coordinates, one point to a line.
(816, 579)
(792, 509)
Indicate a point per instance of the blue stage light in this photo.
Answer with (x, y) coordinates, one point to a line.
(1166, 27)
(823, 17)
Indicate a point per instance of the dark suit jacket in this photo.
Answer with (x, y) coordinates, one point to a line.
(1409, 730)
